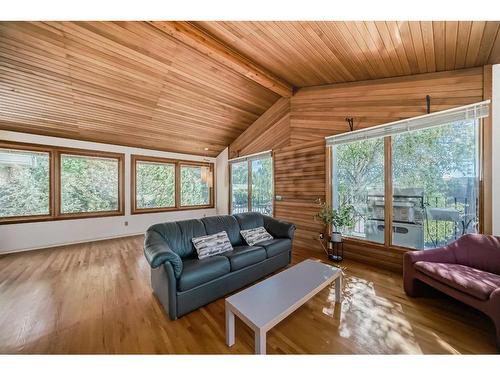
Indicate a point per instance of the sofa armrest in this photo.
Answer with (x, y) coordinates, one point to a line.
(278, 228)
(157, 252)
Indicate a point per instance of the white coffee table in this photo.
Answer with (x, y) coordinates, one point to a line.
(268, 302)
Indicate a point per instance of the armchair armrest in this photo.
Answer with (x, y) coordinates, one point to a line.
(278, 228)
(158, 252)
(440, 255)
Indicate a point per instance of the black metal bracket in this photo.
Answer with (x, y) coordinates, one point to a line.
(428, 102)
(350, 122)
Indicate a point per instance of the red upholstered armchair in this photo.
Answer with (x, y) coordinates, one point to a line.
(467, 269)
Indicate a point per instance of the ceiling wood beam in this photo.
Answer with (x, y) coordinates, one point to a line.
(213, 48)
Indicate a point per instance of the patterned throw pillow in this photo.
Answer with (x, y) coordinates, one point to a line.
(213, 244)
(255, 235)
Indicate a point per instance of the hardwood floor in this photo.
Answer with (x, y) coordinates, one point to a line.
(96, 298)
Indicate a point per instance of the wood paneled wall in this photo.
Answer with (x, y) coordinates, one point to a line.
(299, 177)
(320, 111)
(271, 130)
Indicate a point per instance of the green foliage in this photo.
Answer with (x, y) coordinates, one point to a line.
(24, 187)
(441, 160)
(338, 218)
(262, 186)
(359, 167)
(155, 185)
(88, 184)
(193, 191)
(239, 177)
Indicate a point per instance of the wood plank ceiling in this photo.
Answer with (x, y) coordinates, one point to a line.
(318, 53)
(124, 83)
(187, 86)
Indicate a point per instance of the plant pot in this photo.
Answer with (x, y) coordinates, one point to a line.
(336, 237)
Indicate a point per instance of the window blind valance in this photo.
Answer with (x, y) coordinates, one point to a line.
(467, 112)
(259, 155)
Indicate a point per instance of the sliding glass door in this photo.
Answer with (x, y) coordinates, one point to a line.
(239, 187)
(252, 185)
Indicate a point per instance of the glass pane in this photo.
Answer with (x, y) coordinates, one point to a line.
(239, 187)
(88, 184)
(194, 188)
(358, 180)
(155, 184)
(436, 185)
(24, 183)
(262, 186)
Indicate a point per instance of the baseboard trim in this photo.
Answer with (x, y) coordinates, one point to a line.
(70, 243)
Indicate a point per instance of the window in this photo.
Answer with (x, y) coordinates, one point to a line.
(54, 183)
(160, 184)
(252, 184)
(196, 181)
(262, 185)
(435, 184)
(432, 164)
(89, 184)
(239, 187)
(24, 183)
(358, 180)
(153, 184)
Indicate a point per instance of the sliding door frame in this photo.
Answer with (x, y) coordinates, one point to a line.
(249, 185)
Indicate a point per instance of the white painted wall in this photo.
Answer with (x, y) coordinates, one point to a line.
(496, 150)
(222, 182)
(29, 236)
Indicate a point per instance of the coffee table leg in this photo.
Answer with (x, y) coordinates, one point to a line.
(229, 327)
(338, 288)
(260, 341)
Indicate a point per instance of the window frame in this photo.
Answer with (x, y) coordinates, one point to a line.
(55, 182)
(134, 158)
(33, 148)
(249, 182)
(95, 154)
(483, 132)
(179, 185)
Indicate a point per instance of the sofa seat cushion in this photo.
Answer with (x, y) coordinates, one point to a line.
(276, 246)
(244, 256)
(199, 271)
(474, 282)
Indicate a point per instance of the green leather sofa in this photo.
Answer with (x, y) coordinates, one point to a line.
(183, 283)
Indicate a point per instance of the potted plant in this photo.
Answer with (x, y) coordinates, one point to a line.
(337, 218)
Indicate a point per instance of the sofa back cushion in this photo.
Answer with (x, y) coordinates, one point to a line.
(478, 251)
(250, 220)
(178, 235)
(216, 224)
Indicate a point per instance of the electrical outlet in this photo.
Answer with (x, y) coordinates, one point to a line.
(126, 223)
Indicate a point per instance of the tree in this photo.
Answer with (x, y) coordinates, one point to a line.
(155, 185)
(24, 186)
(442, 161)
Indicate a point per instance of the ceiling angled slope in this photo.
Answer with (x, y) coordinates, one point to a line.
(202, 42)
(325, 52)
(125, 83)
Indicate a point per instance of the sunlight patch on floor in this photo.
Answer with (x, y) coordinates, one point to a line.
(371, 320)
